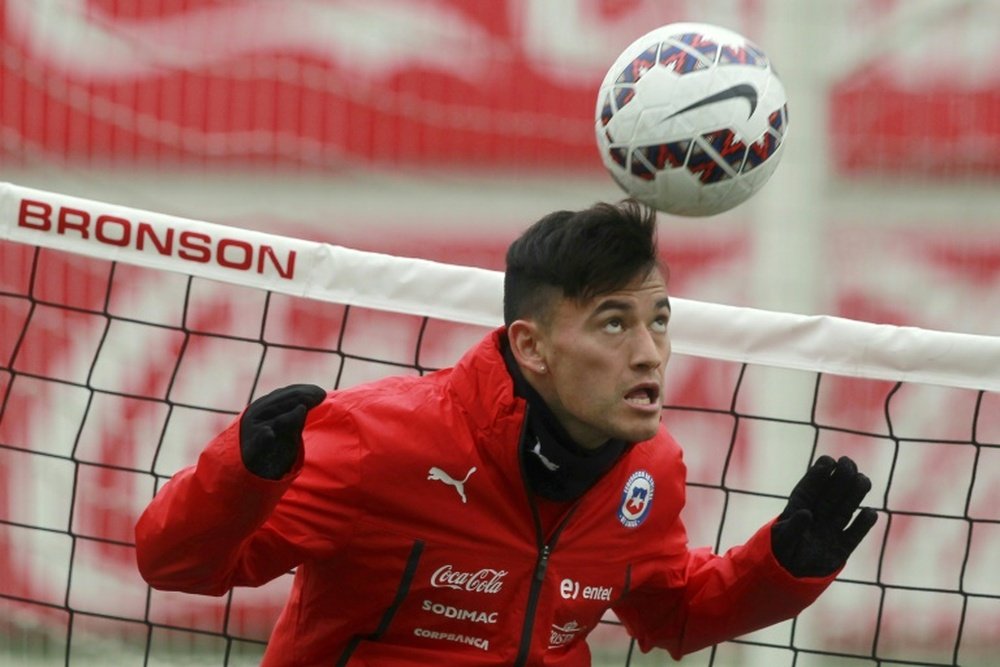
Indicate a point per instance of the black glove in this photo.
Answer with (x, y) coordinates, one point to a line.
(811, 537)
(271, 429)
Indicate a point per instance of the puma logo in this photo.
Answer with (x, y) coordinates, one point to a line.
(537, 451)
(439, 475)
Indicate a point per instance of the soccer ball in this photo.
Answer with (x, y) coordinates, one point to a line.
(691, 119)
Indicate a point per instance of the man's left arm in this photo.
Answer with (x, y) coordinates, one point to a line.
(779, 572)
(814, 535)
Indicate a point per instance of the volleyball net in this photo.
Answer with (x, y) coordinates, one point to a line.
(129, 338)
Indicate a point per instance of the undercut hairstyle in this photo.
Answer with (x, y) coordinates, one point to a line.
(578, 255)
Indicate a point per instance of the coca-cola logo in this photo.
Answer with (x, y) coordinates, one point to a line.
(487, 580)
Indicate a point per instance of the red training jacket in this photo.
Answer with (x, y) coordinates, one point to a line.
(416, 543)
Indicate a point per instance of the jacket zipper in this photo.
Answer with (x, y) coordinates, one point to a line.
(541, 565)
(529, 615)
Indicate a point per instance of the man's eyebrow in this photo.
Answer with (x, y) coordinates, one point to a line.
(612, 304)
(619, 304)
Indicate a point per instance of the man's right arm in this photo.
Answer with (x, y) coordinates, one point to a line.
(238, 518)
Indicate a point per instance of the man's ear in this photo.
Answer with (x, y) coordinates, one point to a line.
(527, 342)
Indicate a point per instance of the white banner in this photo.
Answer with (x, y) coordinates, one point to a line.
(473, 295)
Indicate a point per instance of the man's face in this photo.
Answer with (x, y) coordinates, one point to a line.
(605, 360)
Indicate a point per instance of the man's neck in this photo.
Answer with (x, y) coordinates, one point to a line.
(556, 467)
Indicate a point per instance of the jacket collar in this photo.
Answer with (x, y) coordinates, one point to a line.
(482, 385)
(495, 395)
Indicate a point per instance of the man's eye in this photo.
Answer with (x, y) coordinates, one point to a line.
(614, 325)
(660, 324)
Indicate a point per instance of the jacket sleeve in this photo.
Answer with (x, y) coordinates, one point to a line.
(703, 598)
(216, 525)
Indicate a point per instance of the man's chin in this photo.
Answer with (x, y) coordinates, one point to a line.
(640, 432)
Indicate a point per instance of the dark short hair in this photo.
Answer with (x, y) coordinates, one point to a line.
(578, 255)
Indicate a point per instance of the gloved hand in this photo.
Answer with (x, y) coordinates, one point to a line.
(271, 429)
(811, 537)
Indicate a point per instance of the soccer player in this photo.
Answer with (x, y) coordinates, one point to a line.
(491, 513)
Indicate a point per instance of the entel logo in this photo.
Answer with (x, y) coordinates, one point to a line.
(570, 590)
(486, 580)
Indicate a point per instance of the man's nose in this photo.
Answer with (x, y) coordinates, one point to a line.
(648, 350)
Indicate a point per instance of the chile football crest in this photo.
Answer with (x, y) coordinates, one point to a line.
(637, 499)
